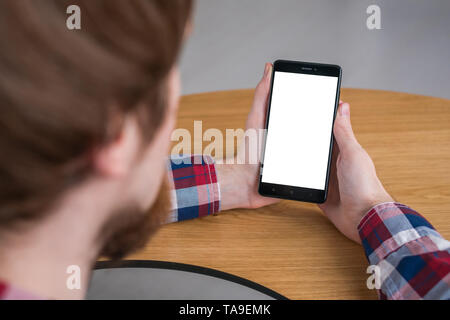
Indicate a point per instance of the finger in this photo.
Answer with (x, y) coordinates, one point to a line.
(343, 131)
(333, 197)
(263, 88)
(333, 168)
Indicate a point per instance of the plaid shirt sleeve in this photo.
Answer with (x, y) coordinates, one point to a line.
(195, 191)
(413, 258)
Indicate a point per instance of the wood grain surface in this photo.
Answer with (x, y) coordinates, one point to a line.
(291, 247)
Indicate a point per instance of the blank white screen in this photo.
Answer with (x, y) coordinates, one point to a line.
(299, 130)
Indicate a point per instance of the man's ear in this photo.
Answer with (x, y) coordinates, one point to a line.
(115, 159)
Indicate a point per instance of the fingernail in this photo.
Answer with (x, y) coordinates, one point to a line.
(344, 109)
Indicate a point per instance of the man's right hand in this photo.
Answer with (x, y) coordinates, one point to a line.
(354, 186)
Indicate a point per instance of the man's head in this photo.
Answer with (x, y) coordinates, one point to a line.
(86, 115)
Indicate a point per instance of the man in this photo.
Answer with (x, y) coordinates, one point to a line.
(85, 123)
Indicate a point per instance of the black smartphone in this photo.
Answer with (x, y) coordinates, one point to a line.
(296, 158)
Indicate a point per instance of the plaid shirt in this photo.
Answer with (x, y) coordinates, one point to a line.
(195, 191)
(412, 257)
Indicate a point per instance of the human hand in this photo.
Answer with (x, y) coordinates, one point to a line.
(354, 187)
(239, 181)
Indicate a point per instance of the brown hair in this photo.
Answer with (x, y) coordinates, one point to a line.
(62, 91)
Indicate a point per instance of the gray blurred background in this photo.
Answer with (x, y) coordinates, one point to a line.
(232, 39)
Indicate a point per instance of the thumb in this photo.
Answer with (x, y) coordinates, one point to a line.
(343, 131)
(263, 88)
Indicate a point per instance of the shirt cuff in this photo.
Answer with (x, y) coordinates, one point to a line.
(195, 190)
(388, 226)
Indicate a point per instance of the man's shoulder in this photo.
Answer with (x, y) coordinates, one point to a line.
(9, 292)
(3, 288)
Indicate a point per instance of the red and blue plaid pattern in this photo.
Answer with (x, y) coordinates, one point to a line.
(413, 258)
(195, 190)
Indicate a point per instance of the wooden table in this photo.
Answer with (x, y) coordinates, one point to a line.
(291, 247)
